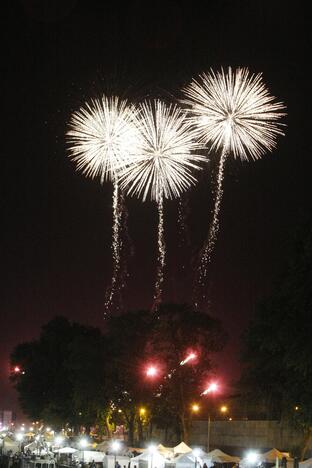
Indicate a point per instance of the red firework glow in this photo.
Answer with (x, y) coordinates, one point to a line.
(151, 371)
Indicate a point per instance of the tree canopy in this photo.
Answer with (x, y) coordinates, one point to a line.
(278, 345)
(78, 375)
(62, 377)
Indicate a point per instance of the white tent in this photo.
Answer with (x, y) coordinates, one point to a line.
(146, 458)
(167, 452)
(272, 455)
(306, 464)
(66, 450)
(10, 444)
(187, 460)
(90, 455)
(217, 456)
(182, 448)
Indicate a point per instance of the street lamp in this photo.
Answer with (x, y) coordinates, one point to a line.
(58, 440)
(212, 388)
(152, 450)
(195, 408)
(115, 448)
(252, 457)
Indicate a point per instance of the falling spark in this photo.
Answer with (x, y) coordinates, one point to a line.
(213, 387)
(116, 246)
(235, 113)
(102, 137)
(207, 250)
(162, 167)
(161, 253)
(190, 357)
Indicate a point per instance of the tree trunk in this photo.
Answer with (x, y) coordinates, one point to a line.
(140, 430)
(185, 428)
(131, 420)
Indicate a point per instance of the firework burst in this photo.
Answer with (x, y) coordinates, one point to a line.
(102, 138)
(234, 113)
(163, 166)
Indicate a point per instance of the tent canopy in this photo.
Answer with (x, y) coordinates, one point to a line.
(66, 450)
(146, 456)
(217, 456)
(272, 455)
(182, 448)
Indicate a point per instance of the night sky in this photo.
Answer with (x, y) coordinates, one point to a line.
(56, 225)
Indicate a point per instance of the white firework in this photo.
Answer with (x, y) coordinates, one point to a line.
(235, 113)
(164, 164)
(235, 110)
(102, 137)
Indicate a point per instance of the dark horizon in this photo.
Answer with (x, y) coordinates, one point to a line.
(56, 257)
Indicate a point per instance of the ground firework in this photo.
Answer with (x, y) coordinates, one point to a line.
(102, 138)
(163, 166)
(234, 113)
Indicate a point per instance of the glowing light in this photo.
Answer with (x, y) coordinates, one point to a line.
(83, 443)
(195, 408)
(197, 452)
(162, 168)
(152, 448)
(58, 440)
(31, 429)
(19, 437)
(212, 388)
(48, 429)
(115, 445)
(252, 457)
(22, 428)
(223, 409)
(102, 138)
(142, 411)
(235, 113)
(190, 357)
(296, 408)
(17, 369)
(151, 371)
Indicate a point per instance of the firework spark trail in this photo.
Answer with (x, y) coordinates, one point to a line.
(214, 227)
(183, 230)
(116, 246)
(161, 255)
(234, 112)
